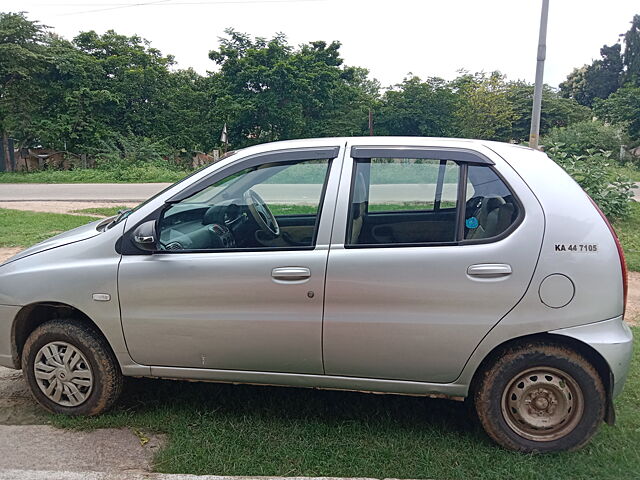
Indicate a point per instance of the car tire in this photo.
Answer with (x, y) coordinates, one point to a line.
(540, 398)
(71, 369)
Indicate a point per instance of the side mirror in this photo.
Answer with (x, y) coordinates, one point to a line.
(144, 236)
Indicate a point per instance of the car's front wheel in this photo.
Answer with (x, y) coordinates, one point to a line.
(71, 369)
(540, 398)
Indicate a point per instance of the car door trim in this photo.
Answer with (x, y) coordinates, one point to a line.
(455, 391)
(432, 153)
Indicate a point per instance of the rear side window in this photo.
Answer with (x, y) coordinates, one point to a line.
(419, 201)
(490, 206)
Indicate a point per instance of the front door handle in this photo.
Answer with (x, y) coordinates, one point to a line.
(488, 270)
(291, 274)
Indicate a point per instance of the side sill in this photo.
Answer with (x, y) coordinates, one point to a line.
(451, 391)
(131, 369)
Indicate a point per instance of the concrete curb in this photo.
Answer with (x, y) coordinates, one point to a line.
(52, 475)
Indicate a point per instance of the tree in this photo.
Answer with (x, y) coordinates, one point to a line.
(268, 90)
(418, 108)
(632, 52)
(556, 110)
(598, 80)
(22, 59)
(623, 107)
(75, 101)
(483, 110)
(136, 75)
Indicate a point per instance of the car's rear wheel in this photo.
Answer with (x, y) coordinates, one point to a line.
(71, 369)
(540, 398)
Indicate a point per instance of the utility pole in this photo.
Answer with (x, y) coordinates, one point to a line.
(534, 135)
(370, 122)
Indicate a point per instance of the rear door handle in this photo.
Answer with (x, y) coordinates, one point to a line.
(291, 274)
(489, 270)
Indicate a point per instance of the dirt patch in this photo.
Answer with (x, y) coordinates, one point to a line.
(632, 315)
(62, 207)
(8, 252)
(17, 406)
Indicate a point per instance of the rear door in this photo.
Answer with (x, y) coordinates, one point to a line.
(431, 247)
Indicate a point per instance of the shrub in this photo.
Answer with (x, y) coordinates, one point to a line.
(133, 152)
(579, 137)
(593, 172)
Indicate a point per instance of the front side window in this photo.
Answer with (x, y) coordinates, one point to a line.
(403, 201)
(274, 205)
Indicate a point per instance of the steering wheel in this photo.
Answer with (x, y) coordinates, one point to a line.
(261, 213)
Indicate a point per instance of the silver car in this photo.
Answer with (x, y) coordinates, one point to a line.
(414, 266)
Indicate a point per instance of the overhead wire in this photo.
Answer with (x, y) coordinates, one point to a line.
(173, 3)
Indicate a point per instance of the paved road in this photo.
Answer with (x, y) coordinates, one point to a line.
(137, 192)
(94, 192)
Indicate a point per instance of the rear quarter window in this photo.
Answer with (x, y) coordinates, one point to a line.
(490, 207)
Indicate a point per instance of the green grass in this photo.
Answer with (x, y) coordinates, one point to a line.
(148, 174)
(248, 430)
(630, 171)
(408, 206)
(628, 230)
(281, 209)
(103, 211)
(22, 229)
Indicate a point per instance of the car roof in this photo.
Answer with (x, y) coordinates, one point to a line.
(383, 141)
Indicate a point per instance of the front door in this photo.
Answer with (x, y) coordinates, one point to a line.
(238, 281)
(432, 251)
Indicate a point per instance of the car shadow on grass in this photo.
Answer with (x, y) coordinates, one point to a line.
(258, 430)
(284, 403)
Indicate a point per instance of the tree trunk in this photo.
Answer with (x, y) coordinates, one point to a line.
(5, 149)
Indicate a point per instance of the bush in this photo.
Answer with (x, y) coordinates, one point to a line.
(131, 151)
(579, 137)
(594, 173)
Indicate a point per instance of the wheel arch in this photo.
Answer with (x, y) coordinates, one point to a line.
(33, 315)
(587, 351)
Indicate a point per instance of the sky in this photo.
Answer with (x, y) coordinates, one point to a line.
(391, 38)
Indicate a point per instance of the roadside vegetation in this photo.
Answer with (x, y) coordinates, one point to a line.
(141, 174)
(628, 230)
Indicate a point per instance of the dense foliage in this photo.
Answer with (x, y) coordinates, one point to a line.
(611, 84)
(95, 93)
(602, 183)
(579, 137)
